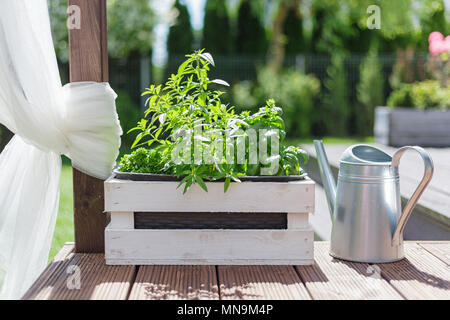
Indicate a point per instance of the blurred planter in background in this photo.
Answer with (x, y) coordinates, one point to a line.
(418, 114)
(408, 126)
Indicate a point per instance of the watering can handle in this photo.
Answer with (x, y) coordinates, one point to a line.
(428, 174)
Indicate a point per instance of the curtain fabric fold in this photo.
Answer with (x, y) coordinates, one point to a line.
(78, 120)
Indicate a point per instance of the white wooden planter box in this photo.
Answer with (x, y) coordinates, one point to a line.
(407, 126)
(127, 245)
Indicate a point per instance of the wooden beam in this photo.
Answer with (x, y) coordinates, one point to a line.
(89, 62)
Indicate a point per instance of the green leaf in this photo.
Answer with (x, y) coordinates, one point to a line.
(219, 81)
(208, 57)
(158, 132)
(136, 141)
(185, 180)
(226, 185)
(201, 183)
(134, 129)
(183, 66)
(162, 118)
(235, 179)
(186, 187)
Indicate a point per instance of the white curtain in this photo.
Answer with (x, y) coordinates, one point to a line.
(78, 120)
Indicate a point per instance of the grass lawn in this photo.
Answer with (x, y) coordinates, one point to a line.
(330, 140)
(64, 223)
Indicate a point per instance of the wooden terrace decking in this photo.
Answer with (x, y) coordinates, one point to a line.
(424, 274)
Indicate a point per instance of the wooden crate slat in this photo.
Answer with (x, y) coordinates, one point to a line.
(260, 282)
(160, 196)
(297, 220)
(153, 222)
(203, 246)
(97, 280)
(175, 282)
(331, 278)
(440, 250)
(420, 276)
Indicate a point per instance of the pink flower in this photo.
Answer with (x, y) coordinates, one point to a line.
(437, 47)
(437, 43)
(446, 44)
(435, 36)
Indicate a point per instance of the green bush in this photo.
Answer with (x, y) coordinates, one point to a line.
(144, 161)
(243, 96)
(129, 115)
(336, 103)
(370, 92)
(401, 97)
(292, 90)
(421, 95)
(430, 94)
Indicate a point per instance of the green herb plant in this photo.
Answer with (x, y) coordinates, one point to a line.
(186, 105)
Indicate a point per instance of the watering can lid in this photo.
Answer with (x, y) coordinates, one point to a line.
(365, 154)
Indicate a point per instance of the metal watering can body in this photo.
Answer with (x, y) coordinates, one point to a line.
(365, 207)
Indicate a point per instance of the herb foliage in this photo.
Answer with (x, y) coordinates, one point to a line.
(187, 104)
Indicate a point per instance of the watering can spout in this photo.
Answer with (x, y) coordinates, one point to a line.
(329, 184)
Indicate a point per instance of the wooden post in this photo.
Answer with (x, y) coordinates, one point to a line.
(88, 55)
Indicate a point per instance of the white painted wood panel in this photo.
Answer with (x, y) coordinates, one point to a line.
(227, 247)
(125, 195)
(122, 220)
(297, 220)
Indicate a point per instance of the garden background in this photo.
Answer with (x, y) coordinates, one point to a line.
(320, 60)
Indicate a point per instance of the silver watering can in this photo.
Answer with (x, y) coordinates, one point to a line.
(366, 207)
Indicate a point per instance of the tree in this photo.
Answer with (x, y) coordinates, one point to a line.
(432, 18)
(331, 26)
(370, 92)
(277, 46)
(181, 36)
(336, 102)
(396, 22)
(130, 27)
(318, 20)
(293, 31)
(339, 25)
(216, 28)
(251, 35)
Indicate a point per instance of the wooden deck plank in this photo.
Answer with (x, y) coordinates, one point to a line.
(97, 281)
(331, 278)
(155, 282)
(260, 282)
(440, 250)
(51, 272)
(420, 276)
(424, 274)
